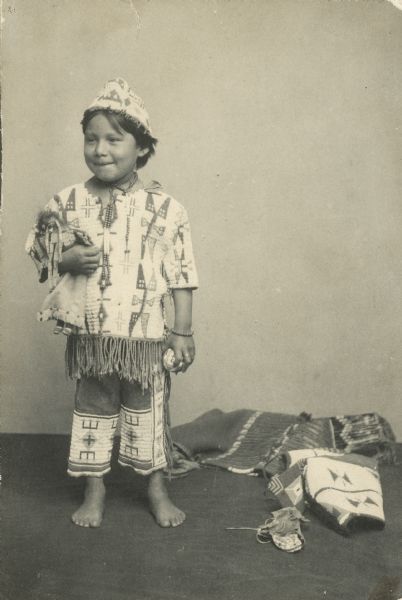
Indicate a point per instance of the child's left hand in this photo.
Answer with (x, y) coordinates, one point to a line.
(184, 350)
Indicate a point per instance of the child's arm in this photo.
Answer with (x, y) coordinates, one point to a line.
(182, 345)
(80, 260)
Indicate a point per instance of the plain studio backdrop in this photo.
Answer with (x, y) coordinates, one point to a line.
(280, 130)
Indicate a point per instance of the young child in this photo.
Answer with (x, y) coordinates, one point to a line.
(141, 251)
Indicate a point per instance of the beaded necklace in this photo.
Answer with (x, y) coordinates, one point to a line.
(131, 182)
(108, 216)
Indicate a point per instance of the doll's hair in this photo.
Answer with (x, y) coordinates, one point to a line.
(120, 120)
(48, 217)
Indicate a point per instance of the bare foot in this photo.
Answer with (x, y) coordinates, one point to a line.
(165, 512)
(90, 512)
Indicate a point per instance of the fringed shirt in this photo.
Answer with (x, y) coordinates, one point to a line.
(146, 251)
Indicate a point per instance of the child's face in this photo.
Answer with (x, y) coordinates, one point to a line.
(110, 154)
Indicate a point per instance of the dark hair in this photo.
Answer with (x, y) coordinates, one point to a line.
(120, 120)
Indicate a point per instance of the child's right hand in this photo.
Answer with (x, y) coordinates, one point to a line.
(80, 260)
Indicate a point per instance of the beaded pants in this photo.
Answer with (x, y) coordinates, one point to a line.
(104, 405)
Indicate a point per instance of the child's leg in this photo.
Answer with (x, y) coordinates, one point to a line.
(90, 513)
(165, 512)
(144, 444)
(95, 420)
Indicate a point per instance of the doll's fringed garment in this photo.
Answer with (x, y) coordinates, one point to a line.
(50, 237)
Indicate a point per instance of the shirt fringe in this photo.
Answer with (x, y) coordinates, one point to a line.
(96, 355)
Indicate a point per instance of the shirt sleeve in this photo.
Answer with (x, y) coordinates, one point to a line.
(179, 265)
(37, 244)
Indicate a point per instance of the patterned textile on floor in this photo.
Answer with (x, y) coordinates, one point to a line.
(259, 432)
(288, 486)
(308, 433)
(264, 438)
(368, 434)
(343, 489)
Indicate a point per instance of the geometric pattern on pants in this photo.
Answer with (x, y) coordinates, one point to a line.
(142, 443)
(91, 444)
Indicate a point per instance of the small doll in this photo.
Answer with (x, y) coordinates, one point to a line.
(65, 302)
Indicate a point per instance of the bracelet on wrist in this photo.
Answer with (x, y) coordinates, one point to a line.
(182, 333)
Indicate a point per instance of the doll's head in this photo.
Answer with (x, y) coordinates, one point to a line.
(47, 218)
(118, 137)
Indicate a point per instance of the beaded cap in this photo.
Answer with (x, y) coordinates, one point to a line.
(119, 97)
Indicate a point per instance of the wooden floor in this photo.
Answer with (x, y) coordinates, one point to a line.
(46, 557)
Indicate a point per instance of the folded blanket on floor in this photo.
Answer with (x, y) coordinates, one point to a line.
(247, 441)
(256, 437)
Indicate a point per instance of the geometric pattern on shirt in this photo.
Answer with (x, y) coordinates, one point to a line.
(144, 323)
(133, 321)
(151, 246)
(157, 231)
(149, 241)
(182, 265)
(140, 278)
(70, 204)
(151, 225)
(150, 204)
(151, 287)
(145, 301)
(75, 223)
(88, 205)
(127, 263)
(163, 210)
(91, 443)
(162, 217)
(119, 321)
(143, 245)
(179, 233)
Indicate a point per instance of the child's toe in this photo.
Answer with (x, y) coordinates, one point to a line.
(178, 519)
(95, 523)
(165, 523)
